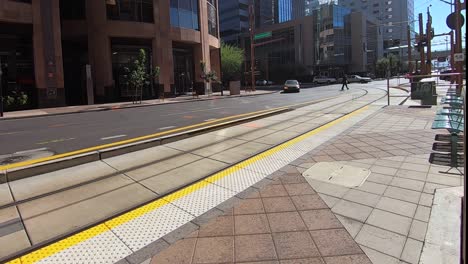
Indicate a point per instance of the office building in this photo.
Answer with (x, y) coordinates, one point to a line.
(391, 17)
(70, 52)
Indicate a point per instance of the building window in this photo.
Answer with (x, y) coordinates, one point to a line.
(130, 10)
(389, 30)
(376, 4)
(72, 9)
(184, 14)
(212, 18)
(389, 16)
(389, 9)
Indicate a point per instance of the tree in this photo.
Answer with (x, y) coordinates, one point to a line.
(231, 62)
(207, 76)
(139, 75)
(382, 67)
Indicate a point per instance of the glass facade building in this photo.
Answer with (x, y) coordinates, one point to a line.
(184, 14)
(332, 38)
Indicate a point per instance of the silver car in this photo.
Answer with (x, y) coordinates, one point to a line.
(359, 79)
(291, 86)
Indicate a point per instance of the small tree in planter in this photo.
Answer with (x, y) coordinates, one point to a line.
(207, 77)
(139, 76)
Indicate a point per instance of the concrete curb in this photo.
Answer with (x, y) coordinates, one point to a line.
(36, 169)
(134, 106)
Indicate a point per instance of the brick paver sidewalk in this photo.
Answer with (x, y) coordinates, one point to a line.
(284, 221)
(286, 218)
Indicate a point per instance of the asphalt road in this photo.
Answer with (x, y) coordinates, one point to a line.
(64, 133)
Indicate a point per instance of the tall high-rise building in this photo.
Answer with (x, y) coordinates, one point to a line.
(233, 20)
(391, 17)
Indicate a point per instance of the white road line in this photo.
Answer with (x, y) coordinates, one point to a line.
(30, 150)
(165, 128)
(112, 137)
(211, 119)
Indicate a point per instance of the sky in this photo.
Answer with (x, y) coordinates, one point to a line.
(439, 12)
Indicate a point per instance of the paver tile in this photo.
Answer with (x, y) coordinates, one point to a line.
(352, 210)
(328, 189)
(251, 224)
(254, 248)
(390, 221)
(351, 259)
(418, 230)
(320, 219)
(299, 189)
(414, 167)
(388, 163)
(362, 197)
(308, 202)
(378, 257)
(402, 194)
(330, 201)
(286, 222)
(443, 179)
(397, 206)
(381, 240)
(278, 204)
(423, 213)
(295, 245)
(383, 170)
(273, 191)
(181, 252)
(426, 199)
(372, 187)
(352, 226)
(335, 242)
(220, 226)
(249, 206)
(430, 187)
(412, 251)
(301, 261)
(214, 250)
(408, 184)
(380, 178)
(409, 174)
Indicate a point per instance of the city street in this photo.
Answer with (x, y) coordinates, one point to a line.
(64, 133)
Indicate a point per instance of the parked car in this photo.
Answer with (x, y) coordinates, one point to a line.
(358, 79)
(291, 86)
(263, 82)
(324, 79)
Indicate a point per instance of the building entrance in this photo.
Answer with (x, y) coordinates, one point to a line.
(16, 61)
(123, 58)
(183, 71)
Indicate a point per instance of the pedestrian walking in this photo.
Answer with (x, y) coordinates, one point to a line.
(345, 83)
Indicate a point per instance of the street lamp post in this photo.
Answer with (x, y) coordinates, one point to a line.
(252, 45)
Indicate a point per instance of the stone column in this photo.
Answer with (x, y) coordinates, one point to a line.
(48, 64)
(201, 51)
(162, 44)
(99, 50)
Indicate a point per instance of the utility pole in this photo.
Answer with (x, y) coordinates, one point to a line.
(421, 47)
(429, 37)
(408, 37)
(252, 45)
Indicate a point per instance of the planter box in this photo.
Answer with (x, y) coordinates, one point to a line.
(234, 87)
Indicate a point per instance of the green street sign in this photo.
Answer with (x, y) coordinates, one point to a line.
(262, 35)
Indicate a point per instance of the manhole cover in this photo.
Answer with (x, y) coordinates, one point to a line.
(12, 159)
(337, 173)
